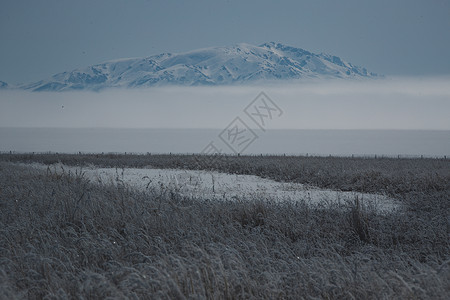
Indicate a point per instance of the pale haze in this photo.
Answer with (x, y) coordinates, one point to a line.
(399, 103)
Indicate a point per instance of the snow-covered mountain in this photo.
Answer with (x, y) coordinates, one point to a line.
(3, 85)
(242, 63)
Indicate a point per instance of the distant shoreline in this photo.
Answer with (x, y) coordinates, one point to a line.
(388, 143)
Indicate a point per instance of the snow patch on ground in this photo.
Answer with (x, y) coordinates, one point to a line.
(223, 186)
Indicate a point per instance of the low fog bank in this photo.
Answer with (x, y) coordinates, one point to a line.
(391, 103)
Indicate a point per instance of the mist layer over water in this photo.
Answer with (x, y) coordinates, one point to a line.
(388, 116)
(375, 104)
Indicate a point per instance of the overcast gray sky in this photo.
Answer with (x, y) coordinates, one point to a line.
(392, 37)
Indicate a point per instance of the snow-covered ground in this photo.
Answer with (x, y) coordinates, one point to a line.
(219, 186)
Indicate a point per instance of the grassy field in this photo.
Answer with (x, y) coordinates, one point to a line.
(64, 237)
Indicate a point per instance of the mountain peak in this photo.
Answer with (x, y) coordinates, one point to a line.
(238, 64)
(271, 45)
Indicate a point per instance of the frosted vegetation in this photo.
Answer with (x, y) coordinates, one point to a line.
(65, 236)
(213, 185)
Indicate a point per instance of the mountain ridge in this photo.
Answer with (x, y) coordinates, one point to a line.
(238, 64)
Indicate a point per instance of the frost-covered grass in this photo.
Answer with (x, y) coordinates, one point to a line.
(368, 175)
(62, 236)
(213, 185)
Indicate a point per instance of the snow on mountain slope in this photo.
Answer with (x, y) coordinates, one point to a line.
(237, 64)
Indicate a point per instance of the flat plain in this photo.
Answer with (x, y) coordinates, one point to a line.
(63, 235)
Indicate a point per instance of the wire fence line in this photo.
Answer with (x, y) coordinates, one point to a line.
(367, 156)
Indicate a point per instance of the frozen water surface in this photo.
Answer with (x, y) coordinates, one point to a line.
(223, 186)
